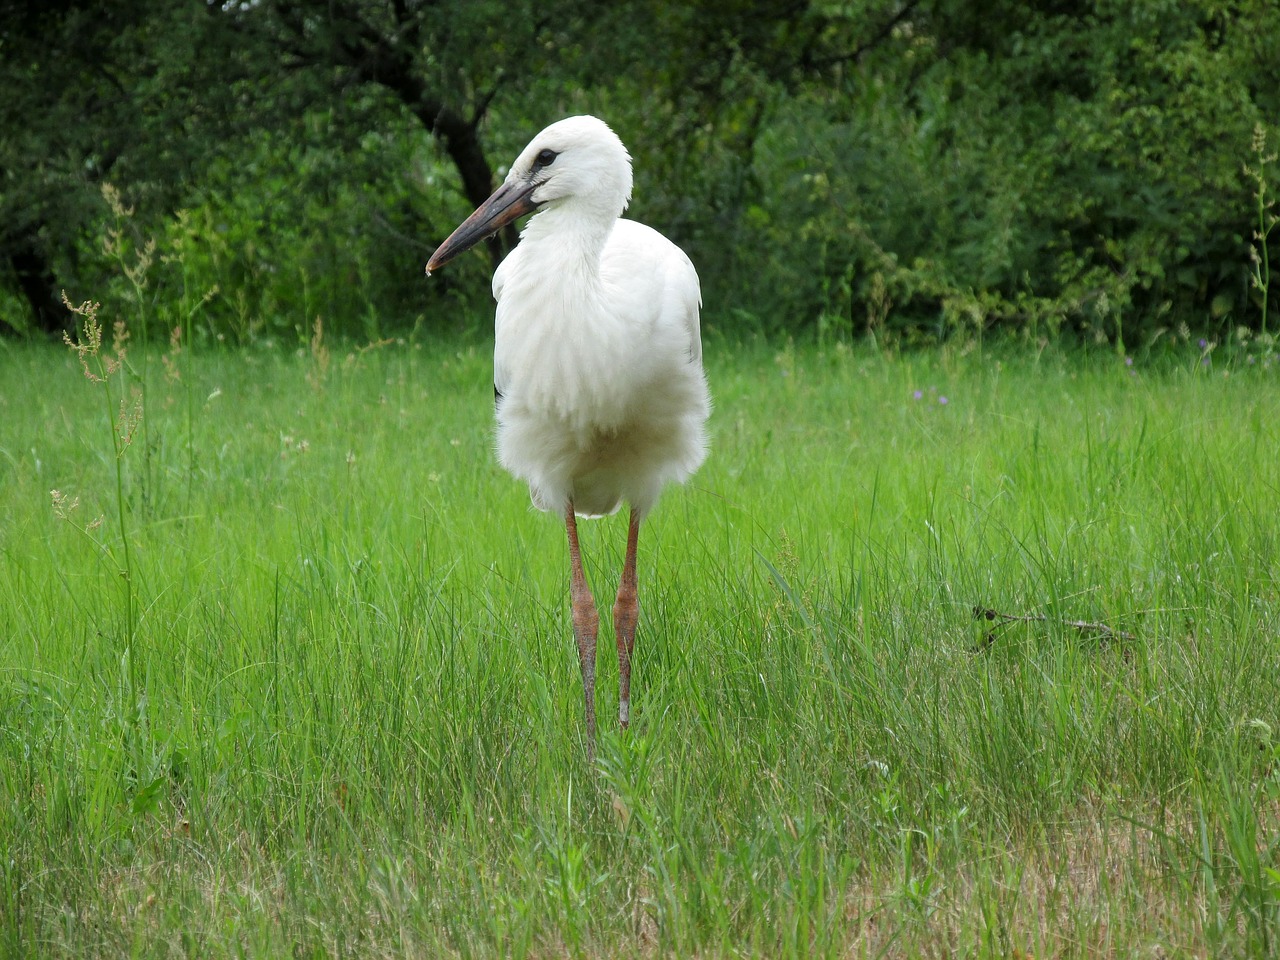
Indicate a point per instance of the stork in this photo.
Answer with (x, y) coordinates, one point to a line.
(599, 392)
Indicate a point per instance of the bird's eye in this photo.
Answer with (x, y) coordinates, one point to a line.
(545, 158)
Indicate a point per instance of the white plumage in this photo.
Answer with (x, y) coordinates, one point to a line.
(598, 375)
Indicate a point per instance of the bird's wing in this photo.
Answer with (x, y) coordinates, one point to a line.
(636, 253)
(500, 276)
(687, 297)
(501, 376)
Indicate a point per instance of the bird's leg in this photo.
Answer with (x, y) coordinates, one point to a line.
(626, 614)
(586, 622)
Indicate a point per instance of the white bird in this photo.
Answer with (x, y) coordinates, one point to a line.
(599, 391)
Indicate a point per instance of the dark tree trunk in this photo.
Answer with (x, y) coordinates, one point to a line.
(36, 280)
(390, 61)
(456, 132)
(465, 150)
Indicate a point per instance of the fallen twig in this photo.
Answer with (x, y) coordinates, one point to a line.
(1084, 626)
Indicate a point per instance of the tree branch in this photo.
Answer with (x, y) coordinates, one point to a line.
(1084, 626)
(881, 35)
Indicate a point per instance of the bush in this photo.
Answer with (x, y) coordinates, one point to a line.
(1081, 170)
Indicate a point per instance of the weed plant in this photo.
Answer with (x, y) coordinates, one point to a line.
(1259, 257)
(335, 707)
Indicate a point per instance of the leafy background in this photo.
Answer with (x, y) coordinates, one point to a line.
(904, 167)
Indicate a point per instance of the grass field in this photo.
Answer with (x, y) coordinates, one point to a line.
(294, 675)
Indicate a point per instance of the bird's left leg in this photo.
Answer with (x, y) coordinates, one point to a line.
(626, 614)
(586, 623)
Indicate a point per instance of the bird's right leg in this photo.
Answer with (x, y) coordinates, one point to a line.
(626, 613)
(586, 623)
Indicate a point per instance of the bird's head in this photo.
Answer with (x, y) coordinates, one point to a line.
(578, 162)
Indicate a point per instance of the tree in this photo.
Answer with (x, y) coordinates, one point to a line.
(96, 91)
(914, 162)
(1035, 166)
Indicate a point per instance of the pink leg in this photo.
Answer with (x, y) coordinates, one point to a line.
(586, 622)
(626, 614)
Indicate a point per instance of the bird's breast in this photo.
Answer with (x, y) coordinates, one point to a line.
(568, 358)
(564, 375)
(584, 343)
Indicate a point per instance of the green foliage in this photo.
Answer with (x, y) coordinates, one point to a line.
(908, 168)
(314, 222)
(1073, 170)
(1260, 172)
(135, 93)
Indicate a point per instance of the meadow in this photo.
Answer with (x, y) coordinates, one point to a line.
(287, 669)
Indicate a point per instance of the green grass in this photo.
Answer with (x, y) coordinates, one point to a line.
(328, 702)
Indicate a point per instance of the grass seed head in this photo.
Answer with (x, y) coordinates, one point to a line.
(88, 341)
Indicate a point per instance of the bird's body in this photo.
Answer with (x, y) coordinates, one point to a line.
(600, 394)
(598, 362)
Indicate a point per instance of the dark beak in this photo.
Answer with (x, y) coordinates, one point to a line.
(509, 201)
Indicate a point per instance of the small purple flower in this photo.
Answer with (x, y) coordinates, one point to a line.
(943, 400)
(1128, 361)
(918, 394)
(1203, 343)
(1204, 362)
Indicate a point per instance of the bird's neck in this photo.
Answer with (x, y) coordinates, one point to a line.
(572, 235)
